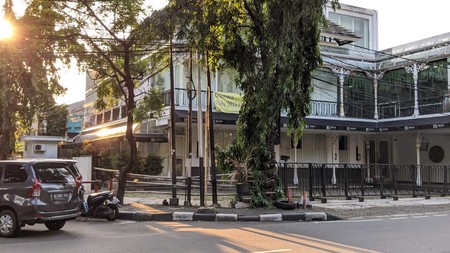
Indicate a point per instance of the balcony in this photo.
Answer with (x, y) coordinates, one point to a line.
(320, 108)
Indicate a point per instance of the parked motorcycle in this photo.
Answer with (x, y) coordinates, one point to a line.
(102, 205)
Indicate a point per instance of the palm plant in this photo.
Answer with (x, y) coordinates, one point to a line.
(242, 163)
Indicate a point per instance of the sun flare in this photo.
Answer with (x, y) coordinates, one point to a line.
(6, 29)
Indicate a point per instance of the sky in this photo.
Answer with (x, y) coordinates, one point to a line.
(399, 22)
(404, 21)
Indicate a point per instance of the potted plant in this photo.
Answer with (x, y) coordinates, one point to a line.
(242, 170)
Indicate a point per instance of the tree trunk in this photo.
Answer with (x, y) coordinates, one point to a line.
(132, 157)
(130, 104)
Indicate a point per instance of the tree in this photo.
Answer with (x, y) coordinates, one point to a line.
(29, 77)
(56, 118)
(115, 39)
(273, 44)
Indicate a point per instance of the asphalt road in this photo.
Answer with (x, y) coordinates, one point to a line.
(425, 233)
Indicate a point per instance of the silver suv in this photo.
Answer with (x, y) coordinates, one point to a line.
(38, 191)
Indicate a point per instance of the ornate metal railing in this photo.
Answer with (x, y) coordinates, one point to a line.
(351, 110)
(360, 180)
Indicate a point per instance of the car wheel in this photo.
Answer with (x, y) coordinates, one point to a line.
(55, 225)
(8, 224)
(114, 214)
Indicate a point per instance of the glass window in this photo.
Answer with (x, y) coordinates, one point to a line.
(359, 26)
(15, 174)
(53, 173)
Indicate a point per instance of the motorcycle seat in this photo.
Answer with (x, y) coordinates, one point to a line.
(98, 195)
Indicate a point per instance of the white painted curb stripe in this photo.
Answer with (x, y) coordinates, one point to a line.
(316, 216)
(271, 217)
(183, 216)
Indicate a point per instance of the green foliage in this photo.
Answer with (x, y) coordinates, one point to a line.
(273, 45)
(87, 148)
(149, 165)
(113, 160)
(56, 118)
(118, 51)
(153, 165)
(29, 77)
(222, 164)
(118, 160)
(151, 105)
(258, 198)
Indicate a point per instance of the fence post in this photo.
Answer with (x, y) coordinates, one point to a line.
(285, 185)
(395, 181)
(414, 176)
(189, 190)
(382, 173)
(346, 181)
(445, 181)
(324, 189)
(362, 183)
(429, 172)
(311, 179)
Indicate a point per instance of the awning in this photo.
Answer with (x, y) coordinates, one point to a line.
(119, 131)
(218, 117)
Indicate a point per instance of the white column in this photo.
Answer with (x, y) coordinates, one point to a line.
(341, 73)
(295, 163)
(333, 139)
(376, 77)
(367, 151)
(415, 69)
(418, 142)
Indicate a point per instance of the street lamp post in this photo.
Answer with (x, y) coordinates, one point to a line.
(174, 199)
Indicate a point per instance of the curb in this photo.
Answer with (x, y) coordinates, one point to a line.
(225, 217)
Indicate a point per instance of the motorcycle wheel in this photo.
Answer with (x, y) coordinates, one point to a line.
(114, 214)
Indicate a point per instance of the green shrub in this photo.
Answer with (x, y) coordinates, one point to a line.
(150, 165)
(153, 165)
(139, 165)
(118, 160)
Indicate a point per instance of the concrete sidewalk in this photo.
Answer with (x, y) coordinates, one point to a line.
(144, 209)
(377, 202)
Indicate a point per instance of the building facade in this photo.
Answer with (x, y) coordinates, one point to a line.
(368, 106)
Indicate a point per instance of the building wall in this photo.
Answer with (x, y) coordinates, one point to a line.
(405, 149)
(343, 17)
(51, 149)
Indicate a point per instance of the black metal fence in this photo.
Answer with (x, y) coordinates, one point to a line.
(360, 180)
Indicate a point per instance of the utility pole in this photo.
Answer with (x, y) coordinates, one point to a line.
(174, 199)
(211, 134)
(200, 135)
(191, 96)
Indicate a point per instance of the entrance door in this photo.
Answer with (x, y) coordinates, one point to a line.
(384, 152)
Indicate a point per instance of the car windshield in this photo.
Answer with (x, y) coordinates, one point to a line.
(53, 173)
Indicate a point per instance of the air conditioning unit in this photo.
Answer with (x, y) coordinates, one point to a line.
(39, 147)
